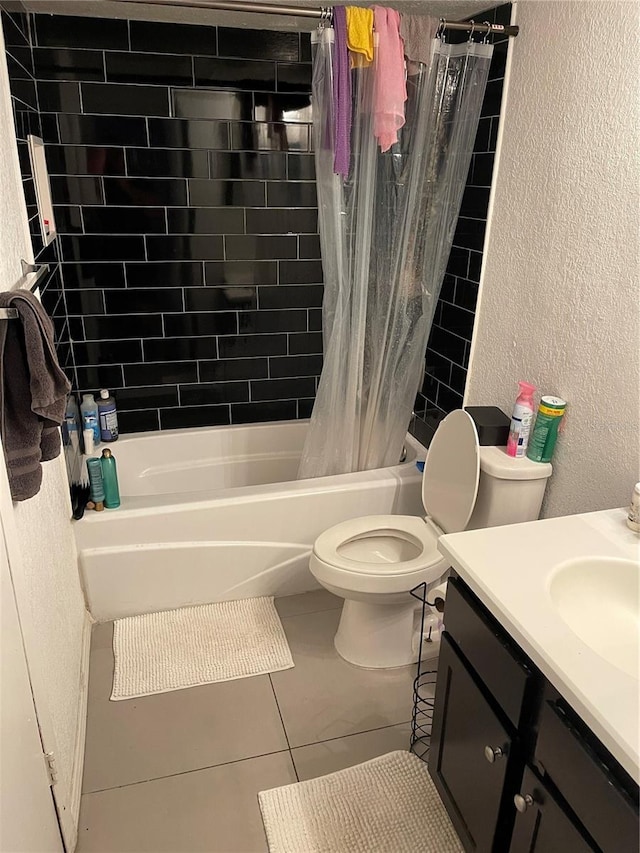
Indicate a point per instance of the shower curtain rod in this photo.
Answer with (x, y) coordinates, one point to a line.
(306, 12)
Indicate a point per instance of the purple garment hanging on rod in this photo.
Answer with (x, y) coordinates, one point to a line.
(341, 93)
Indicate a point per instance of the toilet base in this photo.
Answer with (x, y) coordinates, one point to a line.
(377, 636)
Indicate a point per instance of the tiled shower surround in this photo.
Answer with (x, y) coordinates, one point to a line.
(449, 346)
(183, 179)
(184, 189)
(17, 37)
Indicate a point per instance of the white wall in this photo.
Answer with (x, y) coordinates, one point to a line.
(40, 541)
(27, 814)
(560, 296)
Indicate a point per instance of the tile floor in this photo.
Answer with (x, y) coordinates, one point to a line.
(180, 772)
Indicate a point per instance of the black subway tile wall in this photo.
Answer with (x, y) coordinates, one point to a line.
(182, 174)
(185, 194)
(447, 356)
(17, 27)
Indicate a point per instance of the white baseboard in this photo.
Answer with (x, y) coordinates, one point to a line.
(78, 757)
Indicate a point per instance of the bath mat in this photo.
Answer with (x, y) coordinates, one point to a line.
(174, 649)
(387, 805)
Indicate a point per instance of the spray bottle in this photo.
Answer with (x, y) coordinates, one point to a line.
(521, 421)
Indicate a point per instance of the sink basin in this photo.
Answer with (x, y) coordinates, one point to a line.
(598, 598)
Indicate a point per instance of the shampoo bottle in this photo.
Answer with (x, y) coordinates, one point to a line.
(110, 480)
(89, 409)
(521, 421)
(108, 416)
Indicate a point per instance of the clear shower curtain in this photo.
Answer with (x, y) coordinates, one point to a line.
(386, 233)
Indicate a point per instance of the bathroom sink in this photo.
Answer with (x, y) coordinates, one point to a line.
(598, 598)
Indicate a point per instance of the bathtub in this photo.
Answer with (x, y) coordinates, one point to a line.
(216, 513)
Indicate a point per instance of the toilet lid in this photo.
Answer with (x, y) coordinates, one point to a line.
(452, 472)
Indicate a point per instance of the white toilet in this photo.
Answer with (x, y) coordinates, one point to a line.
(372, 562)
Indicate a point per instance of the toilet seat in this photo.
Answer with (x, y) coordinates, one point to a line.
(368, 554)
(356, 546)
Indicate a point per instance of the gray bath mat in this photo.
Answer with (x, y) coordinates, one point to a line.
(174, 649)
(387, 805)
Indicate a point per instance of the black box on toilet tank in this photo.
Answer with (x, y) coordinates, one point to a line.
(492, 424)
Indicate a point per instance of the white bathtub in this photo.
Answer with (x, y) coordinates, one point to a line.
(216, 513)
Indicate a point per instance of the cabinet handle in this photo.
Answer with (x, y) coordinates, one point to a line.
(493, 753)
(522, 803)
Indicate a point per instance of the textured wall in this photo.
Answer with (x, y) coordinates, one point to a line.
(48, 592)
(559, 299)
(54, 606)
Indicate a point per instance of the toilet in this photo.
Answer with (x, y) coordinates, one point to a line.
(374, 561)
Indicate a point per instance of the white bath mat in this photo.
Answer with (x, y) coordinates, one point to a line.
(387, 805)
(174, 649)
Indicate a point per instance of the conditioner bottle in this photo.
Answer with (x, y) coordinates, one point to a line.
(110, 480)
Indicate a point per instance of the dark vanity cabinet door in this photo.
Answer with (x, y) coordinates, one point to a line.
(541, 824)
(600, 793)
(497, 718)
(470, 752)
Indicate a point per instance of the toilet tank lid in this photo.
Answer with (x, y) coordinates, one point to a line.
(495, 462)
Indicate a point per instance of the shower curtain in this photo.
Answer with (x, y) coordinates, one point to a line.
(385, 232)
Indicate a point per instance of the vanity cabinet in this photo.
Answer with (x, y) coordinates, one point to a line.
(516, 769)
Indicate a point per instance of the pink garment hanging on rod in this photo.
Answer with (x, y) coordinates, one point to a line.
(390, 84)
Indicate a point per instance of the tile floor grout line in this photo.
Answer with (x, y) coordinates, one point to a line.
(284, 728)
(185, 772)
(353, 734)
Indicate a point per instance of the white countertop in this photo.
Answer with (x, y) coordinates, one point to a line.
(509, 568)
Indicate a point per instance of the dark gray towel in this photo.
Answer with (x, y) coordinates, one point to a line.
(33, 393)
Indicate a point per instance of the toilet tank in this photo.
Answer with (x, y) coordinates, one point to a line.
(510, 490)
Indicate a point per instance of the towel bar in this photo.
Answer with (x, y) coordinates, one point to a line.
(27, 269)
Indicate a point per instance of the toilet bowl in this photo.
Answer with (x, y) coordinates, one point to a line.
(374, 561)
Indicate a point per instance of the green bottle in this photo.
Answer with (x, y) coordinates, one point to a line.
(545, 433)
(110, 480)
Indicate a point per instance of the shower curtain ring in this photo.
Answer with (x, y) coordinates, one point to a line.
(488, 33)
(473, 26)
(440, 31)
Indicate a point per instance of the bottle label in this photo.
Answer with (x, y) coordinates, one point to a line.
(552, 413)
(90, 421)
(520, 428)
(109, 424)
